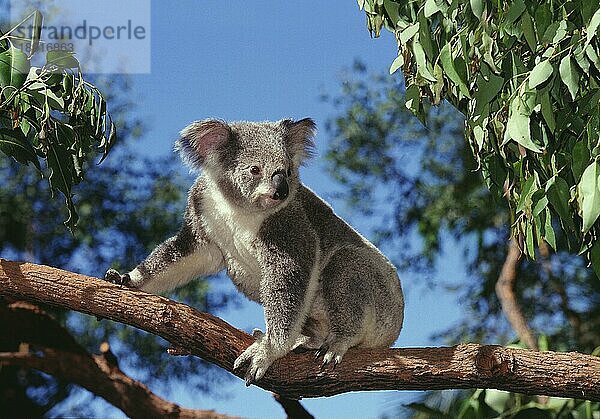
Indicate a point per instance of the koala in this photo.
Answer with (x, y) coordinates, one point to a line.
(322, 285)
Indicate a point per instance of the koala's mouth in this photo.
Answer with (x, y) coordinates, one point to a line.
(267, 201)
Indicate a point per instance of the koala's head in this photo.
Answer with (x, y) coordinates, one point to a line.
(254, 164)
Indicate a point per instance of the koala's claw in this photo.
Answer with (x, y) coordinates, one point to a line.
(257, 356)
(330, 355)
(113, 276)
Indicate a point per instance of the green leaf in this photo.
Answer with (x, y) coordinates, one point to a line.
(397, 63)
(543, 19)
(14, 67)
(37, 31)
(62, 59)
(14, 144)
(559, 196)
(541, 203)
(408, 33)
(516, 9)
(421, 61)
(540, 73)
(555, 33)
(517, 127)
(450, 69)
(477, 7)
(580, 160)
(488, 87)
(529, 31)
(529, 242)
(549, 235)
(528, 190)
(430, 8)
(592, 27)
(391, 9)
(569, 75)
(589, 195)
(547, 111)
(413, 98)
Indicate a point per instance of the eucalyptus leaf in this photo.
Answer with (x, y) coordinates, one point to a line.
(422, 67)
(592, 28)
(581, 158)
(412, 98)
(430, 8)
(557, 190)
(14, 67)
(569, 75)
(448, 66)
(477, 7)
(540, 73)
(529, 31)
(14, 144)
(528, 189)
(408, 33)
(515, 10)
(37, 31)
(547, 111)
(549, 234)
(517, 126)
(397, 63)
(62, 59)
(589, 195)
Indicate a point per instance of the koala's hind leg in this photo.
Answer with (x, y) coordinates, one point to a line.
(348, 300)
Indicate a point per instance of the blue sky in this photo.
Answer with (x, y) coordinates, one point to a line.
(267, 60)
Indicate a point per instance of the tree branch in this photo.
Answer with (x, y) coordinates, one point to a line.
(298, 375)
(505, 289)
(56, 352)
(96, 374)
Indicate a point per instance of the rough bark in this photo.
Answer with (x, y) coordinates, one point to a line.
(505, 289)
(96, 374)
(298, 375)
(49, 348)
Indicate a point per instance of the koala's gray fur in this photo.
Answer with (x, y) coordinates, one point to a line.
(322, 285)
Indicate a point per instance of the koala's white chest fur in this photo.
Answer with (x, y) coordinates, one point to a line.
(234, 232)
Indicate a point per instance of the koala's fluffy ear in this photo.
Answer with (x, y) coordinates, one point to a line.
(200, 139)
(299, 137)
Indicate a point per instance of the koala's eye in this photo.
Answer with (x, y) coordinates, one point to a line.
(255, 170)
(289, 172)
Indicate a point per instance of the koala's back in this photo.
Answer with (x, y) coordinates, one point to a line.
(358, 284)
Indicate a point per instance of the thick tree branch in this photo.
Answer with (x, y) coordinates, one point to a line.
(505, 289)
(57, 353)
(298, 375)
(102, 378)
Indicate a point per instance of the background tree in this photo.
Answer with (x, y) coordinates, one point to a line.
(428, 190)
(526, 75)
(121, 211)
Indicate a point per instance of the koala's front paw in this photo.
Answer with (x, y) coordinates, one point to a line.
(115, 277)
(259, 357)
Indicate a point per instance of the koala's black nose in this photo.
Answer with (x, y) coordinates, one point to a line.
(280, 184)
